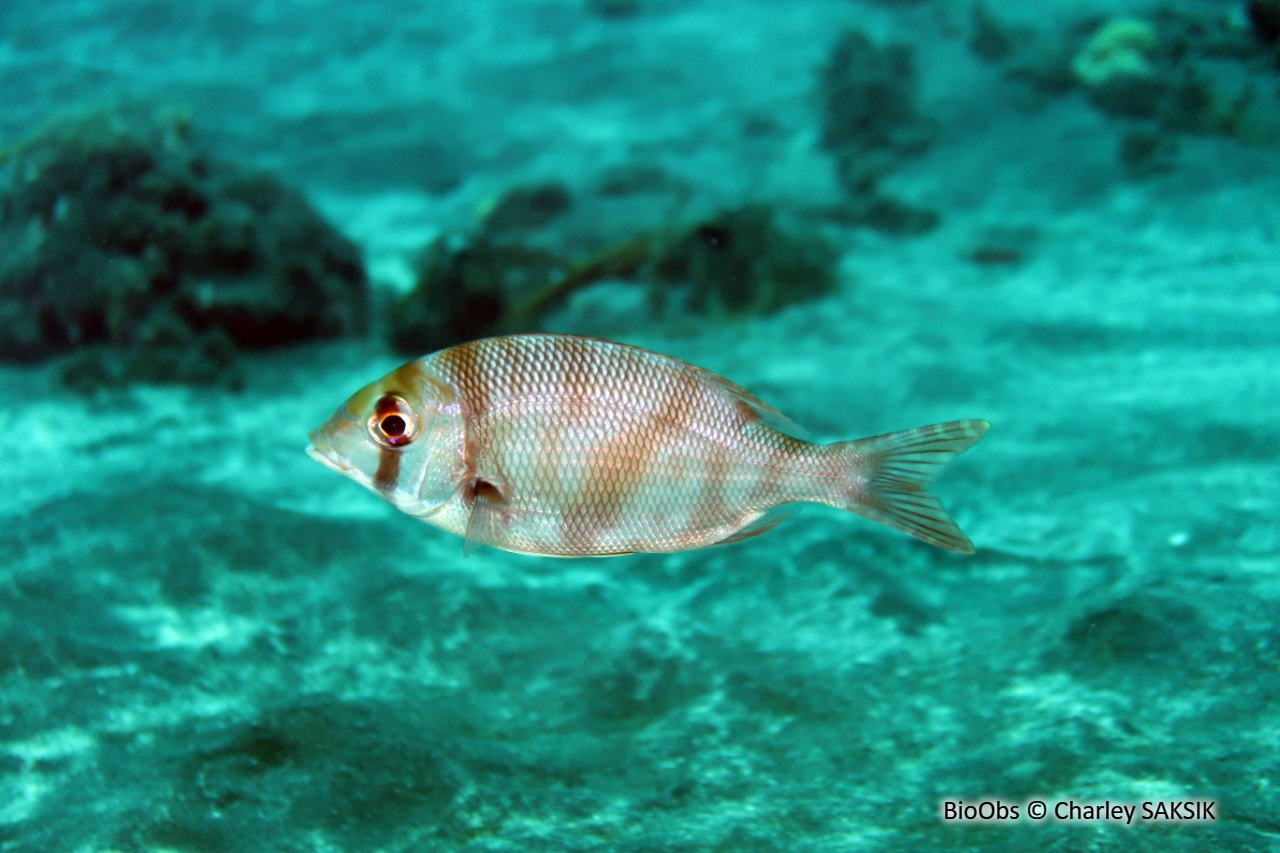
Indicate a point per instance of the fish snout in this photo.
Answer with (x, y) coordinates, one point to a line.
(322, 450)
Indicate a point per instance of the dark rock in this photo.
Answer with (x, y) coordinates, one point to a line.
(871, 126)
(1136, 630)
(1146, 152)
(528, 207)
(886, 214)
(1130, 95)
(118, 232)
(1006, 245)
(989, 38)
(742, 261)
(739, 262)
(465, 290)
(1173, 70)
(1264, 18)
(634, 178)
(182, 355)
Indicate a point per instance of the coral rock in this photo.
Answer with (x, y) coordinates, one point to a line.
(118, 224)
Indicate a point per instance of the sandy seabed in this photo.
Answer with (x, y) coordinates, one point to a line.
(210, 643)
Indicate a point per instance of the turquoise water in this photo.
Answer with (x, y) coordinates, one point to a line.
(1060, 218)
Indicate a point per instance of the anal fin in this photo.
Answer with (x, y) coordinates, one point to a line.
(763, 523)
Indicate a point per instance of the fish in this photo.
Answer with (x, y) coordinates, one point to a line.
(568, 446)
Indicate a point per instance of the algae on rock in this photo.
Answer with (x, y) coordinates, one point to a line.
(871, 124)
(120, 235)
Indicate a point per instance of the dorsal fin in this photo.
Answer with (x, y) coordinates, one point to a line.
(760, 410)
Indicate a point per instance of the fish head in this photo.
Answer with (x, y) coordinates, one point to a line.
(402, 437)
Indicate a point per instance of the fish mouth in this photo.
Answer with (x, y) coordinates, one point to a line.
(321, 450)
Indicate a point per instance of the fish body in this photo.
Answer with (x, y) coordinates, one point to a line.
(569, 446)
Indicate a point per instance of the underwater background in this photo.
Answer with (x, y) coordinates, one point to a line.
(219, 219)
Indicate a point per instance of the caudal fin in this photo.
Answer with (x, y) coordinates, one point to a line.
(891, 475)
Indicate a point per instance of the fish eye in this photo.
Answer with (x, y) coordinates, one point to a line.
(393, 426)
(393, 423)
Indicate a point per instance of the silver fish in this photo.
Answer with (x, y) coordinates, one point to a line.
(569, 446)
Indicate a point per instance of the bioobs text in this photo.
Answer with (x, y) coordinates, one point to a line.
(1075, 811)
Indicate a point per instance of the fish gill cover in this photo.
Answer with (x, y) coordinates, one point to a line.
(872, 214)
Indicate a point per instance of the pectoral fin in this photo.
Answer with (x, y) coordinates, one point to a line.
(489, 513)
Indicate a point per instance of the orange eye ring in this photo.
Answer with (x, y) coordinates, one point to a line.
(393, 422)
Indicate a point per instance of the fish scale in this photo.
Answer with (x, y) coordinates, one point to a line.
(569, 446)
(625, 463)
(637, 446)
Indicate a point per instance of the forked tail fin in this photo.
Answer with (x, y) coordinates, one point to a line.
(891, 474)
